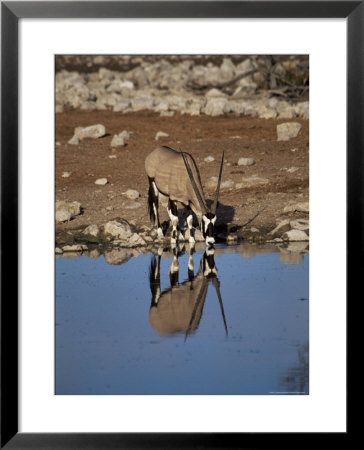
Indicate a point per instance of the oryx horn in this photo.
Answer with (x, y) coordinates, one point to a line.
(216, 284)
(198, 301)
(202, 204)
(214, 205)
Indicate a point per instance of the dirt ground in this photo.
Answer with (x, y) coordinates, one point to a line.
(251, 212)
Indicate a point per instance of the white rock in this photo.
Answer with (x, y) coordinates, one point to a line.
(88, 106)
(273, 102)
(293, 169)
(63, 216)
(121, 105)
(288, 130)
(211, 183)
(282, 227)
(300, 224)
(267, 113)
(117, 141)
(74, 140)
(132, 194)
(209, 159)
(125, 134)
(132, 205)
(93, 131)
(300, 207)
(295, 235)
(127, 84)
(283, 106)
(135, 239)
(59, 251)
(228, 184)
(75, 248)
(302, 110)
(288, 113)
(246, 162)
(143, 102)
(66, 174)
(118, 229)
(101, 181)
(92, 230)
(73, 207)
(214, 93)
(254, 181)
(227, 68)
(193, 109)
(244, 66)
(176, 102)
(215, 106)
(162, 105)
(67, 210)
(160, 134)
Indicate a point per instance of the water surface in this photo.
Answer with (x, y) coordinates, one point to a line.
(244, 332)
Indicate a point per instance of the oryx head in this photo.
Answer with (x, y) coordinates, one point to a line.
(208, 215)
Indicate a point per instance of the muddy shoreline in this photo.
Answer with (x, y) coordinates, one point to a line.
(278, 190)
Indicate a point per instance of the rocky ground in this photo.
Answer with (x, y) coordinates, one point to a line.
(108, 121)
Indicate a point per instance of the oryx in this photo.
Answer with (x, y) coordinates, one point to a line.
(175, 174)
(178, 309)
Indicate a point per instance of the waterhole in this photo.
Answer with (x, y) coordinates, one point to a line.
(182, 321)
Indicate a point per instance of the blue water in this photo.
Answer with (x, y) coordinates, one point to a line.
(106, 345)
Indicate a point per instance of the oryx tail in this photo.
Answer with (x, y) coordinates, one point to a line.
(152, 200)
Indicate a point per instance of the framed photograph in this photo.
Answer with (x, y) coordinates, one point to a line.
(181, 194)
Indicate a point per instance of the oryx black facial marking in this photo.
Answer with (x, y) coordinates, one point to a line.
(207, 227)
(209, 268)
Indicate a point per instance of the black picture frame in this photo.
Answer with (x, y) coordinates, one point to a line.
(11, 12)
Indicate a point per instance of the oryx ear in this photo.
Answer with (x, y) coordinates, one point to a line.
(215, 204)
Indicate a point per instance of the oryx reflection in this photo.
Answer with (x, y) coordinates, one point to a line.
(178, 309)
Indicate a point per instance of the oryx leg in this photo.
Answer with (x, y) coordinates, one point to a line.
(174, 267)
(191, 269)
(153, 196)
(173, 215)
(155, 280)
